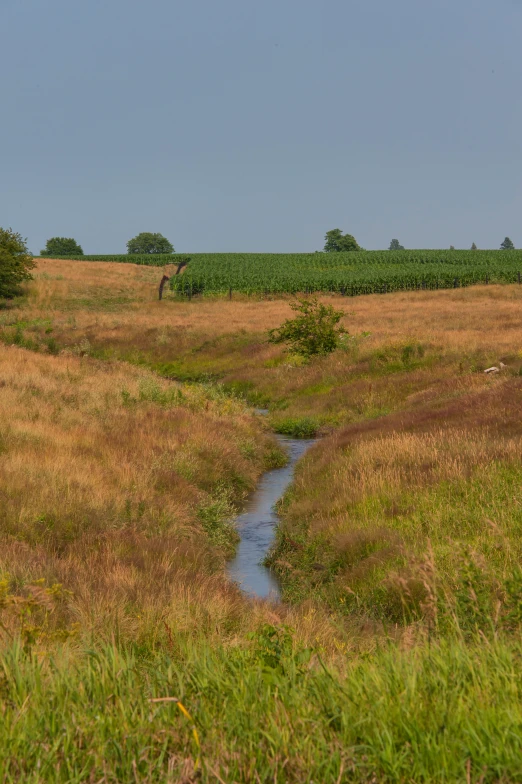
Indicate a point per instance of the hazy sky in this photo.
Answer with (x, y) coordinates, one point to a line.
(256, 125)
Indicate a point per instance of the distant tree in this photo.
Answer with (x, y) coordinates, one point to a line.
(395, 245)
(15, 262)
(337, 242)
(452, 247)
(146, 242)
(61, 246)
(507, 244)
(474, 247)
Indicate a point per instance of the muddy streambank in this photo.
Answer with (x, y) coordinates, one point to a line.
(256, 525)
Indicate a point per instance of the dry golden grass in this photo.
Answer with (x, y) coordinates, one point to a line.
(484, 317)
(114, 307)
(71, 424)
(102, 473)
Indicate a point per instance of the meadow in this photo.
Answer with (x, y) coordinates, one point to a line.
(129, 439)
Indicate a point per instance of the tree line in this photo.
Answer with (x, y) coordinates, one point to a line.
(16, 262)
(337, 242)
(148, 242)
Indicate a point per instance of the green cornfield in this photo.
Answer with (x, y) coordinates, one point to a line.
(350, 274)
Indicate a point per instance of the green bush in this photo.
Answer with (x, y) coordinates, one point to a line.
(314, 330)
(15, 262)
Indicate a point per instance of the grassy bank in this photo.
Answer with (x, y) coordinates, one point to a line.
(414, 515)
(120, 487)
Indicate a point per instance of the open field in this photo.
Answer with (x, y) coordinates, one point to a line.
(127, 439)
(351, 274)
(400, 344)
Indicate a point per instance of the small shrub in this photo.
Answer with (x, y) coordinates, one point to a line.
(313, 331)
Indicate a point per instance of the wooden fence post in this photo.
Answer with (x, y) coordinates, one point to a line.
(164, 279)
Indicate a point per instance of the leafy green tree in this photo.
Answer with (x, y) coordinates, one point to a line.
(61, 246)
(395, 245)
(15, 262)
(507, 244)
(146, 242)
(314, 330)
(452, 247)
(337, 242)
(474, 247)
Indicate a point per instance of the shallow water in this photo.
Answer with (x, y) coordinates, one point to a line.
(256, 526)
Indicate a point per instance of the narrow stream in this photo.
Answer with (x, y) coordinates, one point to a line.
(256, 525)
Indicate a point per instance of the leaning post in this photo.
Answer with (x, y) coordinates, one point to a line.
(164, 279)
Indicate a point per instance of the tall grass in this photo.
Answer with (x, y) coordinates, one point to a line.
(446, 712)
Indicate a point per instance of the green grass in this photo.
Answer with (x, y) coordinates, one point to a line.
(450, 543)
(304, 427)
(264, 712)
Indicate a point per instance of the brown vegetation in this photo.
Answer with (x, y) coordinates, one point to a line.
(107, 478)
(481, 317)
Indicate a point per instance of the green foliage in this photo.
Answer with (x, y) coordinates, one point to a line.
(297, 427)
(273, 646)
(336, 241)
(507, 244)
(147, 242)
(395, 245)
(351, 274)
(15, 262)
(314, 330)
(61, 246)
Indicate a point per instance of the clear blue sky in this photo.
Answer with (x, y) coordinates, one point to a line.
(256, 125)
